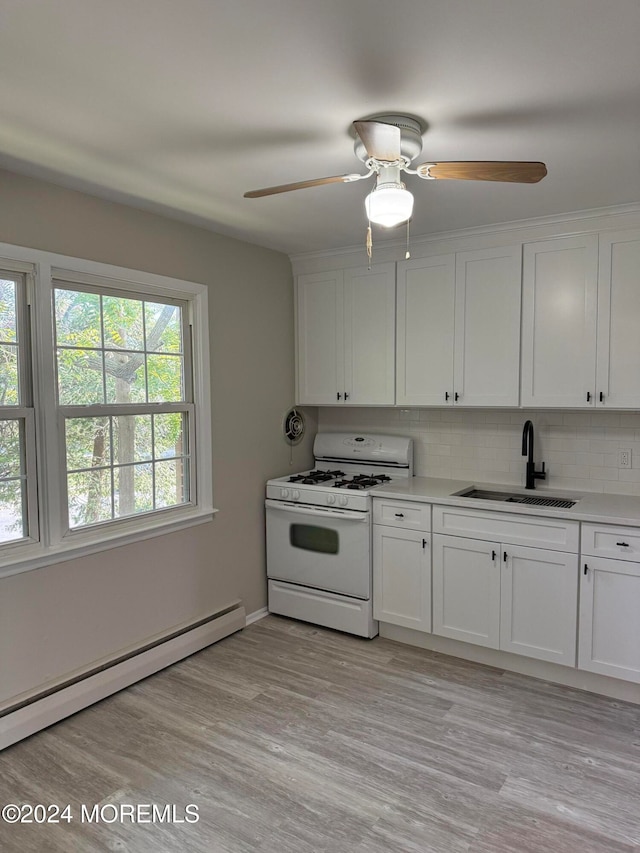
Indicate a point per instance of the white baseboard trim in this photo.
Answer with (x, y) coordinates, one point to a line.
(52, 708)
(257, 615)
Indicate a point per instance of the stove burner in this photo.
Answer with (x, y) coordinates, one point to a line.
(315, 477)
(362, 481)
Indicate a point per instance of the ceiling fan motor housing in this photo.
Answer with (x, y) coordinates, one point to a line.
(410, 136)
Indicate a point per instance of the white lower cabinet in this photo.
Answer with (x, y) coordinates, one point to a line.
(402, 577)
(609, 617)
(509, 597)
(539, 603)
(402, 563)
(466, 590)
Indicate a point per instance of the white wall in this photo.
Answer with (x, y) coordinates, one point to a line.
(580, 449)
(61, 619)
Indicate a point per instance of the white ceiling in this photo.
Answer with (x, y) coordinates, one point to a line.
(181, 106)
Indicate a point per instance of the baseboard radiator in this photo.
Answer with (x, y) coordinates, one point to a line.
(42, 710)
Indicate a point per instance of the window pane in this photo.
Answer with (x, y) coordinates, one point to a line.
(8, 333)
(89, 497)
(134, 489)
(9, 395)
(131, 439)
(171, 483)
(80, 377)
(125, 377)
(168, 435)
(10, 449)
(88, 442)
(163, 327)
(122, 323)
(164, 377)
(77, 319)
(13, 521)
(12, 524)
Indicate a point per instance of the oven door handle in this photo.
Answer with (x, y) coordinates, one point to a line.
(347, 514)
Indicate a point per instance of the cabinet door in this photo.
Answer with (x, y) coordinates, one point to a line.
(320, 337)
(539, 603)
(487, 327)
(559, 322)
(466, 590)
(618, 376)
(426, 291)
(609, 624)
(369, 343)
(402, 577)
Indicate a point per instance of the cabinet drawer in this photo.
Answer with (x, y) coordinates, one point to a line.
(537, 532)
(411, 515)
(605, 540)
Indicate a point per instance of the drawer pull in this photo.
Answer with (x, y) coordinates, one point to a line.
(623, 544)
(399, 515)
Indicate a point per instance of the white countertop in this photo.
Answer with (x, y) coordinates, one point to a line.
(591, 506)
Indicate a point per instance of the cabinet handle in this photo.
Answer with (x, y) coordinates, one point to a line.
(338, 396)
(493, 555)
(588, 396)
(586, 568)
(399, 515)
(623, 544)
(446, 395)
(504, 556)
(424, 543)
(456, 397)
(601, 397)
(346, 396)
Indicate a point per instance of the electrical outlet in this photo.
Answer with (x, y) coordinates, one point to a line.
(624, 458)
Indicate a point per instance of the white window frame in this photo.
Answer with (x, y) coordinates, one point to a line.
(57, 542)
(22, 274)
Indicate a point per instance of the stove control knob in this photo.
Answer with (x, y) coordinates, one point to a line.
(331, 499)
(344, 500)
(296, 495)
(284, 494)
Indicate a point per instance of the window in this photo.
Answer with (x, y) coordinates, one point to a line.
(124, 397)
(98, 420)
(18, 516)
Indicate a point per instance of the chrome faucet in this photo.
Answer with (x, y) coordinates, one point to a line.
(527, 450)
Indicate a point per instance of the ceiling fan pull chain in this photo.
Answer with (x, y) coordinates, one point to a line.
(407, 254)
(369, 245)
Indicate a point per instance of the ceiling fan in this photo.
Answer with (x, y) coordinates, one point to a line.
(387, 145)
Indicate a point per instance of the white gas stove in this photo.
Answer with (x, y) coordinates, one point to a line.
(319, 530)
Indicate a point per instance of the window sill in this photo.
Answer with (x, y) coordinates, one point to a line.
(26, 558)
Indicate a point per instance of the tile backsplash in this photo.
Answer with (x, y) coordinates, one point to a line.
(580, 449)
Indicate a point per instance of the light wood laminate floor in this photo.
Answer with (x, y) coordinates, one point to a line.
(295, 739)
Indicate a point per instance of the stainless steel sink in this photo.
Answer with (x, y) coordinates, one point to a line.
(516, 498)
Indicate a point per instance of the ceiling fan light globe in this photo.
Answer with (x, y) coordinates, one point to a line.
(389, 206)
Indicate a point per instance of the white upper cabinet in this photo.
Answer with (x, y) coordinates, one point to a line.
(553, 326)
(369, 335)
(320, 331)
(487, 327)
(559, 322)
(426, 304)
(346, 336)
(618, 365)
(459, 329)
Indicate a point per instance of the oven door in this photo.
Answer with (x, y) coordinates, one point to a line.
(320, 548)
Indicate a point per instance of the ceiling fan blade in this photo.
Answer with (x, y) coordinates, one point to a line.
(382, 141)
(480, 170)
(300, 185)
